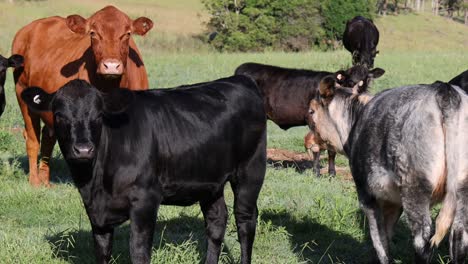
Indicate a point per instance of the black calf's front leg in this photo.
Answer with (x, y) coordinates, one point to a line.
(215, 213)
(102, 244)
(143, 216)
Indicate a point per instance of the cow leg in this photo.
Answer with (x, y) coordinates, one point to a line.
(32, 132)
(391, 213)
(215, 214)
(315, 156)
(417, 208)
(103, 244)
(143, 214)
(459, 233)
(331, 163)
(376, 228)
(47, 146)
(246, 186)
(459, 238)
(313, 150)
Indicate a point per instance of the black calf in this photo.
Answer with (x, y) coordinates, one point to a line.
(129, 152)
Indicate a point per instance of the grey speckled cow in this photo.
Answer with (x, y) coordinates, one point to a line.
(407, 149)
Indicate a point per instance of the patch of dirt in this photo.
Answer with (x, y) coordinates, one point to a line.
(282, 158)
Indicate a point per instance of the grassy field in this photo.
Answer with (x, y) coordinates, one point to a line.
(303, 219)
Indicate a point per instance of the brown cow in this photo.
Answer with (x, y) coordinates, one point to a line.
(56, 50)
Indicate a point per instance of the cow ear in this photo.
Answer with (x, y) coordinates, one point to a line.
(117, 100)
(340, 75)
(376, 73)
(15, 61)
(327, 88)
(77, 24)
(37, 99)
(142, 25)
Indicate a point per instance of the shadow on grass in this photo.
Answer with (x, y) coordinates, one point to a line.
(76, 246)
(59, 172)
(317, 243)
(299, 165)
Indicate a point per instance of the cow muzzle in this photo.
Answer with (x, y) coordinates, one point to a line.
(110, 68)
(83, 151)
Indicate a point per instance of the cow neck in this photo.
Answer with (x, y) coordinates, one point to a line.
(353, 107)
(105, 85)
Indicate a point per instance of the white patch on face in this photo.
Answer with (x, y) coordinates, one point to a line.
(36, 99)
(339, 76)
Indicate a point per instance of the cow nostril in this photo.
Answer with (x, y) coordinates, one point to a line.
(83, 150)
(105, 65)
(118, 65)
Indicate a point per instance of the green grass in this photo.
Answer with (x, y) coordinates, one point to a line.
(303, 219)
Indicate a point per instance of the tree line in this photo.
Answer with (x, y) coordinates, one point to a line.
(296, 25)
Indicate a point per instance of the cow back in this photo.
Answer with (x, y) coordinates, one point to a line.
(196, 134)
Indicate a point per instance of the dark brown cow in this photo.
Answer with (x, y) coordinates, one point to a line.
(287, 93)
(99, 49)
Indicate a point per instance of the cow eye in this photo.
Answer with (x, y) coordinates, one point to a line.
(92, 34)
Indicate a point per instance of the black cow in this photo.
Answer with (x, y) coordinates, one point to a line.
(407, 151)
(129, 152)
(14, 61)
(461, 81)
(360, 38)
(287, 93)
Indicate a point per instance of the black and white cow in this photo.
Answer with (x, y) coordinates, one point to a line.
(131, 151)
(14, 61)
(360, 38)
(407, 151)
(461, 81)
(287, 93)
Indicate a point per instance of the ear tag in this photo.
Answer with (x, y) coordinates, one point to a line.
(36, 99)
(339, 76)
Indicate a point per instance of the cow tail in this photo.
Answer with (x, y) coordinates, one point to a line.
(449, 102)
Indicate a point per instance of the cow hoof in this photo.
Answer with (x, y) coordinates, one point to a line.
(332, 173)
(35, 181)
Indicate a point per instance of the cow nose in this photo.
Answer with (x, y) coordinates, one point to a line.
(83, 150)
(111, 67)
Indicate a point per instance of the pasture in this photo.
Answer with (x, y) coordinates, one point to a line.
(302, 219)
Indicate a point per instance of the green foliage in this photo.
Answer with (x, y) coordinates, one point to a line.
(336, 13)
(256, 25)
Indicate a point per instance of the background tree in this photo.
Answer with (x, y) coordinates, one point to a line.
(256, 25)
(289, 25)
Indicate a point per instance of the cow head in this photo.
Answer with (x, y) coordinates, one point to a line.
(14, 61)
(358, 77)
(339, 99)
(79, 112)
(110, 31)
(365, 58)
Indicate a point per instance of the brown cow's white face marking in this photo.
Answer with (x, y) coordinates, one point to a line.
(109, 30)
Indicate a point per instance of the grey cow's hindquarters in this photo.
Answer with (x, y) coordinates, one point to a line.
(406, 146)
